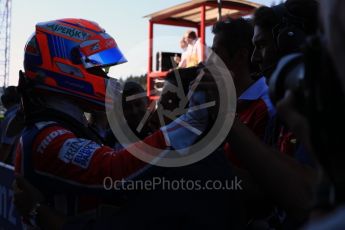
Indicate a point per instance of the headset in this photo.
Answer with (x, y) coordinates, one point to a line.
(289, 32)
(288, 35)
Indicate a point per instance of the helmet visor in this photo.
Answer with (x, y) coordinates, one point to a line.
(109, 57)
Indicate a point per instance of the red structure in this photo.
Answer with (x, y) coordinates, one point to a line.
(196, 14)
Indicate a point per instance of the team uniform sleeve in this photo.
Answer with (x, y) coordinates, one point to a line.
(256, 118)
(260, 119)
(59, 154)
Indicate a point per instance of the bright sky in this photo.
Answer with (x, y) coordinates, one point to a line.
(121, 19)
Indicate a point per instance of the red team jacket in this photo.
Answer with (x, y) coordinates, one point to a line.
(51, 153)
(58, 153)
(255, 110)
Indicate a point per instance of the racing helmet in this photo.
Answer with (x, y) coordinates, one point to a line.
(68, 56)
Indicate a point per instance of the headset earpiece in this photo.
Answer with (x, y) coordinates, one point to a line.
(288, 33)
(290, 39)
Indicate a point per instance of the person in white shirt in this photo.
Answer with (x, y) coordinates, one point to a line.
(194, 52)
(182, 62)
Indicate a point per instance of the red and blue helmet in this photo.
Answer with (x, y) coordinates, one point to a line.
(67, 57)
